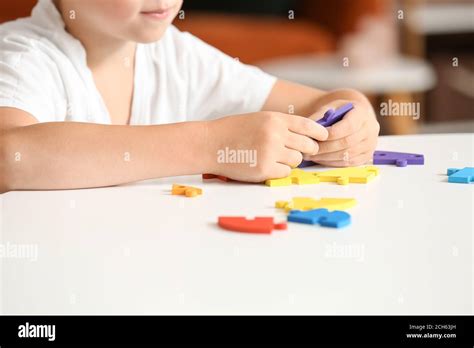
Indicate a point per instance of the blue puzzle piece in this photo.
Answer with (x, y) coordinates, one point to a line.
(323, 217)
(463, 176)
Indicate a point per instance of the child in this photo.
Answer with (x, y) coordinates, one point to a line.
(103, 92)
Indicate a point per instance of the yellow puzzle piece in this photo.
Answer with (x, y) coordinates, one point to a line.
(307, 203)
(297, 177)
(343, 176)
(187, 191)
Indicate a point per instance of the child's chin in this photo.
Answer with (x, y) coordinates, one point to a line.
(148, 37)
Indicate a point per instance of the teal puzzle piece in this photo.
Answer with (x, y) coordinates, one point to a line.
(322, 217)
(463, 176)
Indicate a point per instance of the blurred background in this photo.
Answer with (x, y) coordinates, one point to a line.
(413, 58)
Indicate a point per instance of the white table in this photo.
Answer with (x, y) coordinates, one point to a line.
(137, 249)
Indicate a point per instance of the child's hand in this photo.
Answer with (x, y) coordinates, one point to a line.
(270, 144)
(351, 141)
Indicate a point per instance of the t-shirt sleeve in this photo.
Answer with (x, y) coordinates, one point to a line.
(26, 82)
(218, 84)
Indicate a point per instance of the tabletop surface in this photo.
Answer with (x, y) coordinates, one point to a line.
(137, 249)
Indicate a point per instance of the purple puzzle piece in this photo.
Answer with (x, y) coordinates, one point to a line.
(330, 117)
(400, 159)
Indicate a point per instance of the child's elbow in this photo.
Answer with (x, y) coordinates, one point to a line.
(5, 164)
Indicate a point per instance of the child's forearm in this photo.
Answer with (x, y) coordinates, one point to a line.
(302, 100)
(340, 94)
(67, 155)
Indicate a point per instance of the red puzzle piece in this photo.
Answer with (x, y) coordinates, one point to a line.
(257, 225)
(213, 176)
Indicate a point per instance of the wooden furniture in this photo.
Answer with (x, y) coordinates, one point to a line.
(11, 10)
(316, 28)
(442, 32)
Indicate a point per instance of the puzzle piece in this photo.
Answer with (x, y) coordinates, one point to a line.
(187, 191)
(400, 159)
(257, 225)
(305, 164)
(306, 203)
(343, 176)
(462, 176)
(330, 117)
(297, 177)
(212, 176)
(322, 217)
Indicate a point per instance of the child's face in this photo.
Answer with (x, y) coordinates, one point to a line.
(131, 20)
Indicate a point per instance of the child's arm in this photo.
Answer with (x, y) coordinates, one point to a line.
(66, 155)
(351, 141)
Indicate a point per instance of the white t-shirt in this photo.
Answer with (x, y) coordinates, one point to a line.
(43, 71)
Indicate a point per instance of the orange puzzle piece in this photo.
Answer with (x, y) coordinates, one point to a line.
(187, 191)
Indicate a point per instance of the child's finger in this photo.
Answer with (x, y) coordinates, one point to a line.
(301, 143)
(280, 170)
(308, 127)
(343, 155)
(341, 144)
(352, 162)
(291, 158)
(350, 124)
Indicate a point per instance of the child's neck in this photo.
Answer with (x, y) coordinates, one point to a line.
(111, 61)
(105, 51)
(102, 50)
